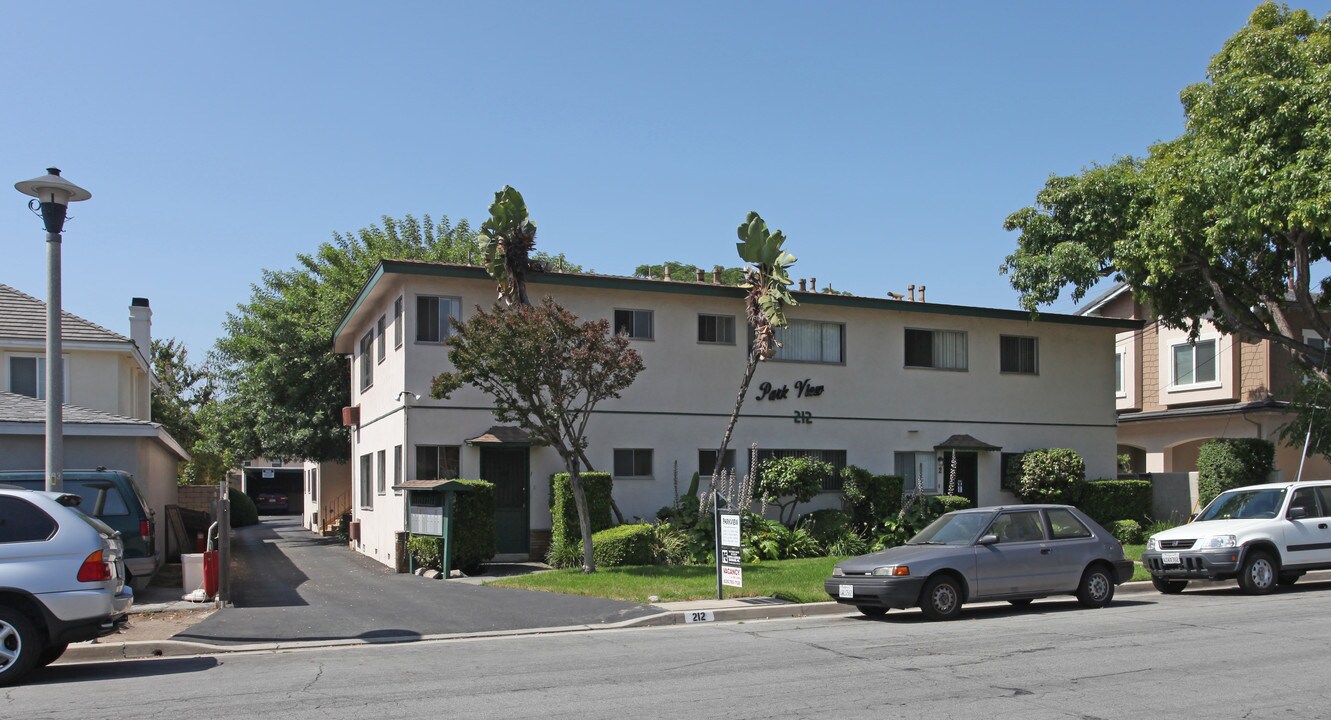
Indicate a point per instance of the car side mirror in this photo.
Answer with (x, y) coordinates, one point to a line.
(989, 539)
(1297, 512)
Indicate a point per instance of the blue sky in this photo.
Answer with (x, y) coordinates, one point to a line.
(888, 140)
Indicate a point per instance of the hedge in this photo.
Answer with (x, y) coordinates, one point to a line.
(473, 532)
(565, 533)
(243, 510)
(1050, 475)
(624, 545)
(1226, 463)
(1108, 501)
(826, 526)
(872, 498)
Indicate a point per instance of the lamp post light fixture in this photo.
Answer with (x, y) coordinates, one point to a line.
(53, 195)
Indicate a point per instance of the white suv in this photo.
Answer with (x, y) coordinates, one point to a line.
(62, 579)
(1264, 535)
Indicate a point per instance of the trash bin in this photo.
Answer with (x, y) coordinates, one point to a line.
(210, 566)
(191, 570)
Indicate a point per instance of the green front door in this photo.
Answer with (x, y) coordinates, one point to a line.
(508, 470)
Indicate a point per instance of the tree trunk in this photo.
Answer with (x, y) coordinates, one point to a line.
(584, 517)
(734, 416)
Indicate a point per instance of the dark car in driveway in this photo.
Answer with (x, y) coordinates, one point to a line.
(1015, 553)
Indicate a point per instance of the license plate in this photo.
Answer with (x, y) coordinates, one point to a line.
(847, 591)
(1170, 558)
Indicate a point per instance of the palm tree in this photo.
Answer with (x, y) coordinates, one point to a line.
(767, 280)
(509, 237)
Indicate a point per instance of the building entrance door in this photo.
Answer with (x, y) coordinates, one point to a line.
(966, 466)
(509, 470)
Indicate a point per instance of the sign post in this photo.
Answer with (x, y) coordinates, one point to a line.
(729, 566)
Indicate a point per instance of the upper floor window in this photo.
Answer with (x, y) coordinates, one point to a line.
(1018, 354)
(811, 341)
(366, 362)
(27, 376)
(1119, 389)
(940, 349)
(382, 346)
(397, 322)
(1195, 363)
(636, 324)
(432, 314)
(717, 329)
(633, 462)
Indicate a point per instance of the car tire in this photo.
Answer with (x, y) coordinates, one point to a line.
(19, 645)
(1096, 588)
(50, 654)
(1023, 602)
(941, 598)
(871, 611)
(1168, 587)
(1259, 573)
(1285, 579)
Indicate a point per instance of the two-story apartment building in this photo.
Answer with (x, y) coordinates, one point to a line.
(924, 390)
(1172, 394)
(108, 406)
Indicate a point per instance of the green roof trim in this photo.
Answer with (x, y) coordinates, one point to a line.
(617, 282)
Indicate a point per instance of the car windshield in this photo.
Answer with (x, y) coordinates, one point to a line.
(1244, 505)
(952, 529)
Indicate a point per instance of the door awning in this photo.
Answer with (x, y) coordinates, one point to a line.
(966, 442)
(433, 485)
(502, 435)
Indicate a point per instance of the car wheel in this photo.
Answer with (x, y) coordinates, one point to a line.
(19, 645)
(1096, 588)
(941, 598)
(1285, 579)
(1168, 587)
(50, 654)
(872, 611)
(1258, 576)
(1023, 602)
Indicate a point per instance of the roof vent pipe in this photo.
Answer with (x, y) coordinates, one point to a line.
(921, 293)
(700, 275)
(716, 275)
(813, 284)
(911, 289)
(802, 285)
(665, 273)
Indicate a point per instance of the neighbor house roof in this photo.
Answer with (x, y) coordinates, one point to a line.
(23, 415)
(23, 317)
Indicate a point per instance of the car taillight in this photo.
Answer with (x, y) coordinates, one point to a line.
(146, 529)
(94, 569)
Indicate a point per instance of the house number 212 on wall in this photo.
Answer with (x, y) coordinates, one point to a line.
(803, 417)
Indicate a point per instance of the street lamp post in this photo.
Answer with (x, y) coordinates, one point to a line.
(53, 194)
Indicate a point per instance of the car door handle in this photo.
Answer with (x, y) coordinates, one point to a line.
(1321, 526)
(1046, 551)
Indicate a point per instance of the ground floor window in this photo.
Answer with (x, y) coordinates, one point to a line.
(634, 462)
(837, 458)
(917, 469)
(707, 462)
(366, 481)
(437, 462)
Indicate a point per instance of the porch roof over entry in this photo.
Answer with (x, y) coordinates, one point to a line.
(433, 485)
(966, 442)
(501, 435)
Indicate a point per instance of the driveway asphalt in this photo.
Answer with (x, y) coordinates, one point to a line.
(289, 584)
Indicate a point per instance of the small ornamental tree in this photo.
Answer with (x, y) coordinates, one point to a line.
(794, 479)
(1051, 476)
(546, 372)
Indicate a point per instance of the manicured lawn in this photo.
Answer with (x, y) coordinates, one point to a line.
(794, 580)
(1134, 553)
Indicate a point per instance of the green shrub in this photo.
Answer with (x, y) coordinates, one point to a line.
(825, 525)
(624, 545)
(1107, 501)
(565, 534)
(939, 505)
(243, 510)
(763, 539)
(795, 479)
(1051, 476)
(851, 543)
(872, 498)
(426, 551)
(1128, 532)
(670, 545)
(474, 533)
(1225, 463)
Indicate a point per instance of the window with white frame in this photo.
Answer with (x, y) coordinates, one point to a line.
(432, 315)
(1194, 363)
(397, 467)
(314, 483)
(633, 462)
(366, 481)
(1018, 354)
(811, 341)
(938, 349)
(636, 324)
(437, 462)
(367, 361)
(716, 329)
(397, 322)
(27, 376)
(917, 469)
(381, 347)
(381, 467)
(1120, 388)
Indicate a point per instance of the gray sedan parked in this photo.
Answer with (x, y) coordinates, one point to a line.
(1014, 553)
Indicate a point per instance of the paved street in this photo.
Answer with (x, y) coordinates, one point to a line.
(290, 584)
(1202, 654)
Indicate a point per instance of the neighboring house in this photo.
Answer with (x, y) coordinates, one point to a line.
(107, 387)
(923, 390)
(1173, 394)
(327, 495)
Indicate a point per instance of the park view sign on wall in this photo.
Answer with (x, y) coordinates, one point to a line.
(803, 389)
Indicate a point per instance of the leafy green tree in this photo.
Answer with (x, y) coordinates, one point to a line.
(508, 238)
(687, 272)
(788, 481)
(182, 397)
(283, 386)
(1225, 222)
(767, 280)
(1051, 476)
(546, 372)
